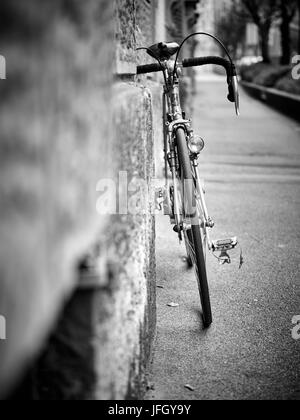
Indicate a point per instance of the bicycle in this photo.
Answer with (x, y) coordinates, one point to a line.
(184, 196)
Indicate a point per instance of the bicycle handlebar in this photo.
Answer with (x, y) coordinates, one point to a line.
(201, 61)
(193, 62)
(148, 68)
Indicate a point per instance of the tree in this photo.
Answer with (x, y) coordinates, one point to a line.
(230, 31)
(263, 13)
(288, 10)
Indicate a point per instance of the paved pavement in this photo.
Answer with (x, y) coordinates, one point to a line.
(252, 170)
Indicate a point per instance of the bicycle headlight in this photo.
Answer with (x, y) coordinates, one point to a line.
(195, 144)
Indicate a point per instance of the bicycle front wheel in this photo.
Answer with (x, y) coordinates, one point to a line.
(193, 235)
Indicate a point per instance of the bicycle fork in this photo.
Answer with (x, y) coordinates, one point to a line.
(207, 220)
(176, 202)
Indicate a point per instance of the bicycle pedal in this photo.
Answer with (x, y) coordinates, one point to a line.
(223, 245)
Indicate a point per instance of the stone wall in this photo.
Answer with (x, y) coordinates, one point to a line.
(87, 279)
(54, 122)
(102, 344)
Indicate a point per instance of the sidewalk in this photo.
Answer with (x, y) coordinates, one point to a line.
(252, 170)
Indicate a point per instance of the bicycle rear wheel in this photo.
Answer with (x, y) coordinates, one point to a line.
(193, 235)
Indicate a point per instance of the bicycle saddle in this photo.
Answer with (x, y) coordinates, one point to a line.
(164, 51)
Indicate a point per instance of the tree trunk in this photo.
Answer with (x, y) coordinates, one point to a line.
(264, 33)
(285, 35)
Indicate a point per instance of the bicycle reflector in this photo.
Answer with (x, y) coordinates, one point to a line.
(195, 144)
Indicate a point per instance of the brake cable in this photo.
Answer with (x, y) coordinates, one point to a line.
(206, 34)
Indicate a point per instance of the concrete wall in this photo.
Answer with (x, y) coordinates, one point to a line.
(64, 126)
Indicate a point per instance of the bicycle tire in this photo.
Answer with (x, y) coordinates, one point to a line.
(197, 244)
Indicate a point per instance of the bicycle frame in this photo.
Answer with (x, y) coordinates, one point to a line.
(173, 118)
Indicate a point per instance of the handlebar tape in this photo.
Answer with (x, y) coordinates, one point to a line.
(219, 61)
(203, 61)
(148, 68)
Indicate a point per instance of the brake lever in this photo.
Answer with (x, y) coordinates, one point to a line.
(233, 91)
(235, 85)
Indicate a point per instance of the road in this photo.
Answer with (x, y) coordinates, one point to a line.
(252, 170)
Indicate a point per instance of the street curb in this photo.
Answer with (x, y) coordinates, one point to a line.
(284, 102)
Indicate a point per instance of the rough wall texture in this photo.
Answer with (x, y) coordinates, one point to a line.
(145, 21)
(104, 337)
(125, 27)
(54, 122)
(57, 141)
(132, 308)
(135, 27)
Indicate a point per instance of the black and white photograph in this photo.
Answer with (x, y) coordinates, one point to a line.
(149, 203)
